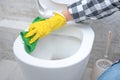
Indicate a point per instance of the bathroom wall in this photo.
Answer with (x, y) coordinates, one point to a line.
(7, 38)
(101, 28)
(26, 10)
(18, 9)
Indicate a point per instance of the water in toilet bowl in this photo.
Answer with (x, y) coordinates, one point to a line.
(56, 47)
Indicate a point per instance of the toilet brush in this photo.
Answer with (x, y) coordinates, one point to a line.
(102, 64)
(108, 44)
(105, 64)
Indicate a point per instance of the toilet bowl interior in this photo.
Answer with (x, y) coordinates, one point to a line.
(58, 46)
(55, 47)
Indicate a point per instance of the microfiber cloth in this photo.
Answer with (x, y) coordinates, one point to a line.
(30, 47)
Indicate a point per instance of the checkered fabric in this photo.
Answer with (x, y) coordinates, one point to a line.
(93, 9)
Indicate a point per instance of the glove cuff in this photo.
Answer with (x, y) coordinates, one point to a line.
(59, 14)
(59, 20)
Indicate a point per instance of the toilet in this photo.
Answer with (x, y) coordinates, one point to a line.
(62, 55)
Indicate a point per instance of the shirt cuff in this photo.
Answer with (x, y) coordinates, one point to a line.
(77, 12)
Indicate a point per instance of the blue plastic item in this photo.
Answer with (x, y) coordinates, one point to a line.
(112, 73)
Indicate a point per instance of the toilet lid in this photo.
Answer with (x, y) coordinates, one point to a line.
(47, 7)
(64, 1)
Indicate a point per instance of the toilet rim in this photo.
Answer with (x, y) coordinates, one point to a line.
(79, 56)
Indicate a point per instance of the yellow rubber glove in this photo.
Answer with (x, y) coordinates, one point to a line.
(43, 28)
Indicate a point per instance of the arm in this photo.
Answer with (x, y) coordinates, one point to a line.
(79, 11)
(67, 15)
(91, 9)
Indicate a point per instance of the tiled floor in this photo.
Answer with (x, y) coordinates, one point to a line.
(9, 70)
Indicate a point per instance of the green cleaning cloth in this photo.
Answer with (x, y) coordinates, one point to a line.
(30, 47)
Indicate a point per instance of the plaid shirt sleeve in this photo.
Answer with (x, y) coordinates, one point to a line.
(93, 9)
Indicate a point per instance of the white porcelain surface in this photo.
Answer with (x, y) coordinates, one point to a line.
(64, 1)
(10, 70)
(47, 7)
(62, 55)
(68, 65)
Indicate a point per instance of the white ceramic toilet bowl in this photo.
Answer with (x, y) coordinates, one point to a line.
(62, 55)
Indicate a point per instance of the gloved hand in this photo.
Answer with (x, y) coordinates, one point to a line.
(43, 28)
